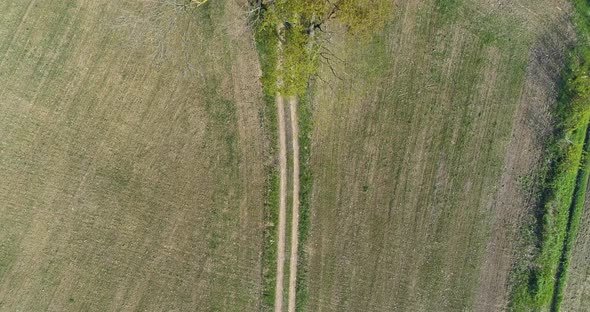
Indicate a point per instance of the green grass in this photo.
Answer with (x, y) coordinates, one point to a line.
(536, 286)
(269, 257)
(573, 226)
(306, 183)
(541, 285)
(582, 22)
(266, 43)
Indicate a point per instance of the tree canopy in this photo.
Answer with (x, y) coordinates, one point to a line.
(301, 45)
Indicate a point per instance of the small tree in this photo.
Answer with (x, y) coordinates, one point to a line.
(302, 46)
(357, 15)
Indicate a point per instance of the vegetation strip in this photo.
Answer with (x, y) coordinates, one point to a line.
(288, 63)
(540, 285)
(295, 212)
(266, 44)
(282, 205)
(581, 86)
(283, 188)
(573, 224)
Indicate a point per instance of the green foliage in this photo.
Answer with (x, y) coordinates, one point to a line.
(572, 227)
(300, 49)
(540, 285)
(267, 42)
(537, 285)
(577, 93)
(299, 63)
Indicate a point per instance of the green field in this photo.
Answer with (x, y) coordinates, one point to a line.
(132, 157)
(421, 152)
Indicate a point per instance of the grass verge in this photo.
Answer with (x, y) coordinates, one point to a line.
(540, 284)
(572, 226)
(306, 183)
(266, 43)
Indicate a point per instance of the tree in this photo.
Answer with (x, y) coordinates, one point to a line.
(302, 46)
(357, 15)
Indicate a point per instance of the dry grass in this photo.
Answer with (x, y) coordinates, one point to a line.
(131, 155)
(417, 154)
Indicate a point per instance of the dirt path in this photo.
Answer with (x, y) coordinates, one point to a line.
(279, 287)
(295, 221)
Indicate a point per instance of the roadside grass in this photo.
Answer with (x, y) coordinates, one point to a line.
(540, 285)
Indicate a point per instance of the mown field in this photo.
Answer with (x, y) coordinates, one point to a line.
(426, 150)
(138, 167)
(132, 157)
